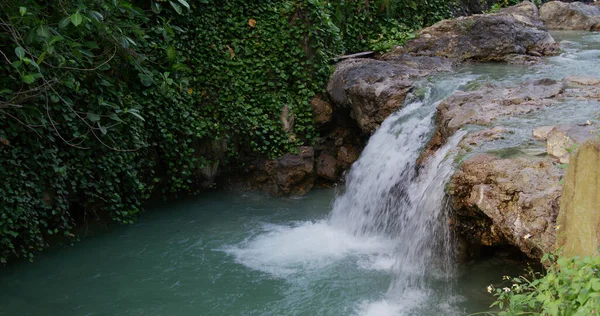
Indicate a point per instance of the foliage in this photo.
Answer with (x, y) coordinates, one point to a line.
(571, 286)
(104, 104)
(507, 3)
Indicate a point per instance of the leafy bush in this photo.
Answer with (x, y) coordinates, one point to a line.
(571, 286)
(106, 103)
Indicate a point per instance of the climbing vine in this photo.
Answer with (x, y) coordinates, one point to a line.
(104, 104)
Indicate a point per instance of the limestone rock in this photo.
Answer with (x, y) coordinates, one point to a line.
(507, 201)
(321, 110)
(582, 80)
(579, 217)
(486, 37)
(541, 132)
(486, 104)
(327, 167)
(292, 174)
(347, 155)
(563, 139)
(570, 16)
(373, 89)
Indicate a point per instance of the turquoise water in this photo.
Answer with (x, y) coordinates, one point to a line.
(225, 253)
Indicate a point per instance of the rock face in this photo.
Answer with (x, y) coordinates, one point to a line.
(570, 16)
(373, 89)
(507, 201)
(291, 174)
(486, 37)
(321, 110)
(579, 218)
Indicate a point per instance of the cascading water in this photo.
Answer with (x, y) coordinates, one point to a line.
(388, 195)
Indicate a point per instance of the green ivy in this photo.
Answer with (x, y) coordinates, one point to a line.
(104, 104)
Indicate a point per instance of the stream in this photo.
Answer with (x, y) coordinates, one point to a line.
(377, 246)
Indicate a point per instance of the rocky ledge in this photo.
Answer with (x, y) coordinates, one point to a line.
(512, 198)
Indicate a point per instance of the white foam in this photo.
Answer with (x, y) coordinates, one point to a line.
(285, 250)
(402, 306)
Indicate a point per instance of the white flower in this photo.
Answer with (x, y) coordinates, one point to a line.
(527, 236)
(506, 277)
(506, 289)
(490, 288)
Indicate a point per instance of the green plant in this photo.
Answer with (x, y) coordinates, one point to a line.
(570, 286)
(106, 103)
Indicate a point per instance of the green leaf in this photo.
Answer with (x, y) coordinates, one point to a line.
(20, 52)
(176, 7)
(184, 3)
(103, 130)
(137, 115)
(64, 22)
(146, 80)
(76, 18)
(155, 6)
(22, 11)
(97, 15)
(28, 79)
(93, 117)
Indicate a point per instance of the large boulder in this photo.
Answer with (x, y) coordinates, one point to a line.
(570, 16)
(373, 89)
(500, 202)
(579, 217)
(486, 37)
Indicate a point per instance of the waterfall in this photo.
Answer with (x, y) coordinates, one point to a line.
(387, 195)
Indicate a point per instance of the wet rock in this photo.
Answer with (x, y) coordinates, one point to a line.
(327, 168)
(486, 37)
(373, 89)
(347, 155)
(514, 201)
(582, 80)
(479, 137)
(579, 219)
(292, 174)
(541, 132)
(564, 139)
(321, 110)
(570, 16)
(486, 104)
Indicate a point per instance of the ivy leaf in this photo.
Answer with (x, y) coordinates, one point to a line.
(184, 3)
(103, 130)
(76, 18)
(155, 7)
(171, 53)
(64, 22)
(135, 113)
(93, 117)
(29, 79)
(20, 52)
(22, 10)
(97, 15)
(176, 7)
(146, 80)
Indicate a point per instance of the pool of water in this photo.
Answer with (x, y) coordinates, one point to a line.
(228, 253)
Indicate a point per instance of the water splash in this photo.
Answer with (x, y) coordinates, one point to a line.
(388, 195)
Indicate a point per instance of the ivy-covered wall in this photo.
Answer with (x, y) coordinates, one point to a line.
(104, 104)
